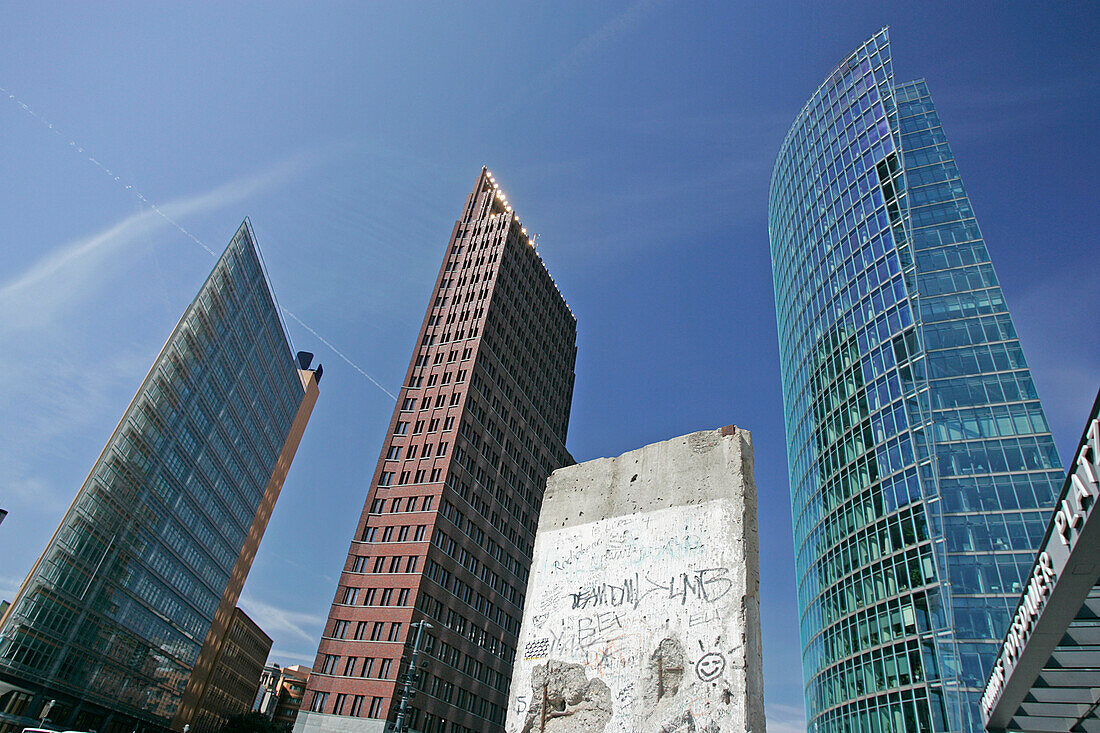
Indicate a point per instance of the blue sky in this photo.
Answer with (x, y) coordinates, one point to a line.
(636, 139)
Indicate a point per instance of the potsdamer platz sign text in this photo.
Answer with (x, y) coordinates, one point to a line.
(1048, 663)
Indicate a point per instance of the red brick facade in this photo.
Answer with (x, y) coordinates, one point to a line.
(449, 521)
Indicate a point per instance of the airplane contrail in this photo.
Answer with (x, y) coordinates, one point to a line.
(80, 150)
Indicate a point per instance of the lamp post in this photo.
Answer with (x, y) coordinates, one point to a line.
(46, 712)
(412, 674)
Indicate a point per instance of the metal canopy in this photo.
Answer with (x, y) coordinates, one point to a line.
(1065, 693)
(1047, 675)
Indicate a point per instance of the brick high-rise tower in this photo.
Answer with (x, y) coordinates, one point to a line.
(449, 521)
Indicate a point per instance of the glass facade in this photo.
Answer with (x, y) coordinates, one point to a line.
(921, 464)
(112, 618)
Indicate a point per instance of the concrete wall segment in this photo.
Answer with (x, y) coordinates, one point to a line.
(308, 722)
(642, 610)
(681, 471)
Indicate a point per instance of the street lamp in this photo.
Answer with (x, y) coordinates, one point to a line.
(412, 675)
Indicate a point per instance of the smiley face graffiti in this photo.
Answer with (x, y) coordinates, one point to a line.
(710, 666)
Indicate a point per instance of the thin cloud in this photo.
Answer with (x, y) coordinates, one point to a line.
(9, 586)
(580, 53)
(27, 492)
(65, 275)
(281, 623)
(277, 655)
(785, 719)
(60, 412)
(66, 394)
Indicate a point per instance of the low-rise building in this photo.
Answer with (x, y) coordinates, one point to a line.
(268, 691)
(231, 689)
(292, 686)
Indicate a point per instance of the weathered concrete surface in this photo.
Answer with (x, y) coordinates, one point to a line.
(308, 722)
(568, 702)
(642, 608)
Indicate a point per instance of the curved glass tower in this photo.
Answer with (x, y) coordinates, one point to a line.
(921, 464)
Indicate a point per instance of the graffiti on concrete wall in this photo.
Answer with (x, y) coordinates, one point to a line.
(634, 623)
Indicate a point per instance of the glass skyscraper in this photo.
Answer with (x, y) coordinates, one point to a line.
(921, 465)
(120, 622)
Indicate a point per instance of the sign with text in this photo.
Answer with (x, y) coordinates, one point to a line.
(1072, 514)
